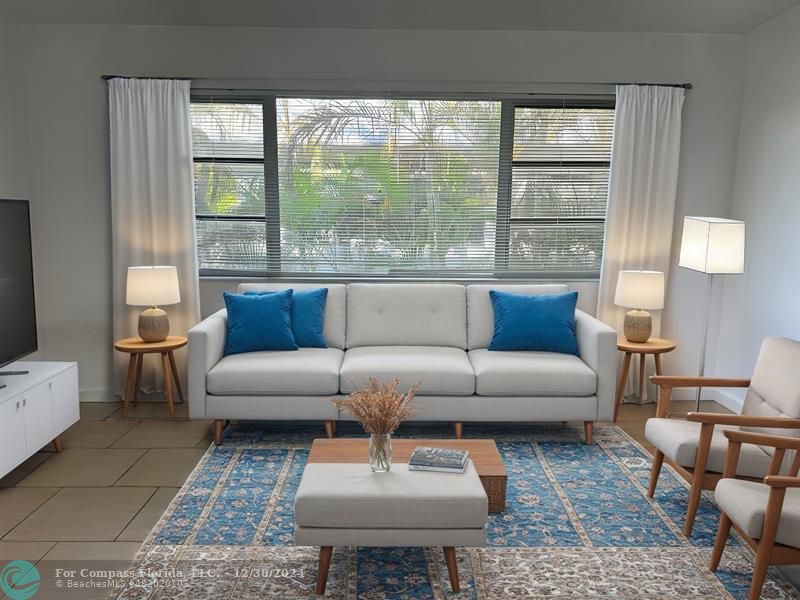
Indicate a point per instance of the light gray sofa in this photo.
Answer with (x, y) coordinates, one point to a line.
(433, 334)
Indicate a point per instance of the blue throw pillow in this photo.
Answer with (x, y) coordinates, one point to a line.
(545, 323)
(308, 316)
(259, 322)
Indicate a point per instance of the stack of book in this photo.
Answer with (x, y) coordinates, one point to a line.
(438, 459)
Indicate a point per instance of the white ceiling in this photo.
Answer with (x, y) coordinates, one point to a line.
(678, 16)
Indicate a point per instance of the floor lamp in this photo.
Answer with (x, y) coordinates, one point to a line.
(712, 246)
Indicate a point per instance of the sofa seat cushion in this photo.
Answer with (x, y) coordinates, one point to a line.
(307, 371)
(439, 371)
(678, 439)
(531, 374)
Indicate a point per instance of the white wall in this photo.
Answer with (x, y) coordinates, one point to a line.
(765, 301)
(14, 171)
(14, 181)
(68, 136)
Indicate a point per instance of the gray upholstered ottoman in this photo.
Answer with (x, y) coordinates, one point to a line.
(348, 505)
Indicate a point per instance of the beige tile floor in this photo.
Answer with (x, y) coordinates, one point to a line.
(101, 496)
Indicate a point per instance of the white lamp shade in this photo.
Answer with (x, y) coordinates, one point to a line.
(712, 245)
(152, 286)
(640, 289)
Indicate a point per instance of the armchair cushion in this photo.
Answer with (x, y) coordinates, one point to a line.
(775, 386)
(745, 502)
(678, 439)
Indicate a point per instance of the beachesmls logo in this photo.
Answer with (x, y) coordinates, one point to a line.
(19, 580)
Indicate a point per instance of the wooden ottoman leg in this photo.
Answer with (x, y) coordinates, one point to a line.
(325, 553)
(452, 567)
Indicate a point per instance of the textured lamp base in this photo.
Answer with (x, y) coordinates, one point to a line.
(638, 326)
(153, 325)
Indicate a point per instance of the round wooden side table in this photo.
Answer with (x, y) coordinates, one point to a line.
(137, 349)
(654, 346)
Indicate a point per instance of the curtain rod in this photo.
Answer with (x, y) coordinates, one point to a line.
(685, 86)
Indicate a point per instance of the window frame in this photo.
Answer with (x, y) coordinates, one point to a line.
(506, 163)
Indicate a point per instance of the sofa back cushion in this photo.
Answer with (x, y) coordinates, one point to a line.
(335, 305)
(480, 313)
(406, 314)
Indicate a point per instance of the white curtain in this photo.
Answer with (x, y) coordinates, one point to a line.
(152, 205)
(641, 195)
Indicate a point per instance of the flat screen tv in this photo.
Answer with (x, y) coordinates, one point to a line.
(17, 303)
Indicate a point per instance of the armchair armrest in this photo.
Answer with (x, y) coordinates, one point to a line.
(744, 420)
(597, 344)
(782, 481)
(667, 383)
(763, 439)
(206, 348)
(673, 381)
(779, 442)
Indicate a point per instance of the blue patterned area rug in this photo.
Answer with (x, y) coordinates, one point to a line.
(578, 525)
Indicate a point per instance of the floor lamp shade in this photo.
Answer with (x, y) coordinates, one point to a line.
(712, 245)
(152, 286)
(639, 290)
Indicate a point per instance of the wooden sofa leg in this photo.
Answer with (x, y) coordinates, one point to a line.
(658, 460)
(330, 428)
(458, 426)
(219, 427)
(452, 568)
(325, 553)
(588, 429)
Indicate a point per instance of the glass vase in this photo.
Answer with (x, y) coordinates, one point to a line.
(380, 452)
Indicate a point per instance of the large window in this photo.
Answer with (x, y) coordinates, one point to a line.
(400, 187)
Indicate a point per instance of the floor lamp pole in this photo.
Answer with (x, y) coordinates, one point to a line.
(702, 368)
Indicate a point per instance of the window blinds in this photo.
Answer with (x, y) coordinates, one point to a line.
(559, 191)
(398, 187)
(230, 204)
(387, 186)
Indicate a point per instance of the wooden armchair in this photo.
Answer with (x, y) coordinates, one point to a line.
(696, 447)
(767, 516)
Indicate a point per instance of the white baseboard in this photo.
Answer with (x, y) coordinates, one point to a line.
(726, 398)
(97, 395)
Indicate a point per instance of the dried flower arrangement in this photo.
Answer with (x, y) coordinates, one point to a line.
(379, 407)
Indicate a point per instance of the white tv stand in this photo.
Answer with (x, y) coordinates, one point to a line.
(35, 409)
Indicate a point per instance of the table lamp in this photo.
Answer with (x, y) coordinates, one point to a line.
(151, 287)
(712, 246)
(641, 291)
